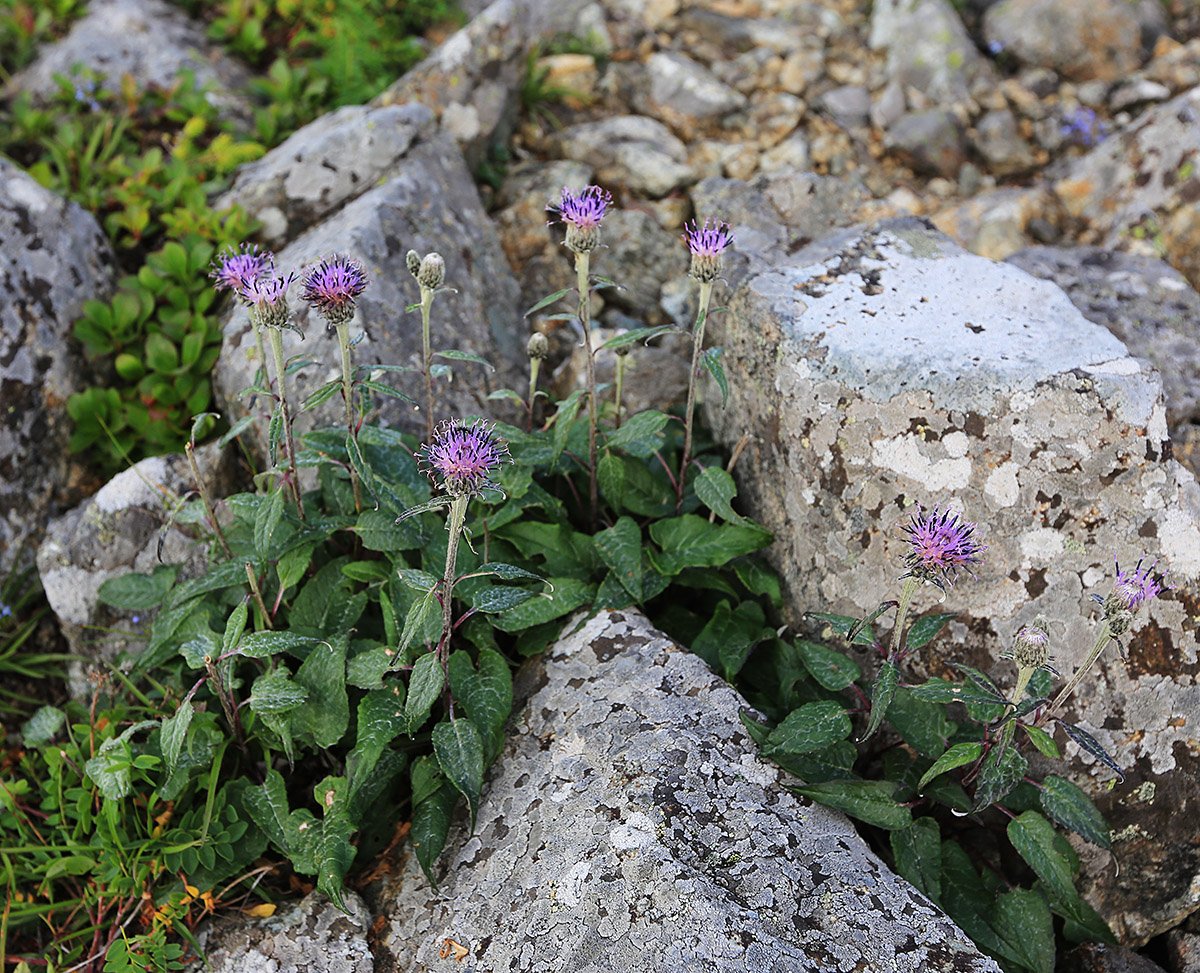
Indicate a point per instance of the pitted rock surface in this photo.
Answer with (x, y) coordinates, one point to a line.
(313, 936)
(885, 367)
(54, 258)
(630, 826)
(149, 39)
(311, 174)
(116, 532)
(430, 205)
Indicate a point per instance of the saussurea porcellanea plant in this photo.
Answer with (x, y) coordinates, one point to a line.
(344, 668)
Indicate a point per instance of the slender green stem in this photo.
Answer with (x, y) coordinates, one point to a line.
(257, 592)
(906, 595)
(427, 360)
(535, 365)
(276, 339)
(582, 265)
(697, 347)
(1064, 694)
(458, 515)
(343, 336)
(262, 355)
(620, 385)
(189, 448)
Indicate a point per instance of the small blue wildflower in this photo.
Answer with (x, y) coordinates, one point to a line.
(995, 47)
(5, 610)
(940, 544)
(1083, 127)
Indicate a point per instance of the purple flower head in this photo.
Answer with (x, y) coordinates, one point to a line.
(940, 544)
(238, 269)
(707, 245)
(268, 297)
(1031, 645)
(462, 458)
(331, 288)
(1132, 589)
(582, 213)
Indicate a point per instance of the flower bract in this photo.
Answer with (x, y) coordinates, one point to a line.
(940, 544)
(707, 244)
(582, 213)
(462, 458)
(268, 297)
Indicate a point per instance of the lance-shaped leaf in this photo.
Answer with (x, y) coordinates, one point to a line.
(812, 726)
(881, 695)
(459, 751)
(957, 756)
(1072, 808)
(1085, 741)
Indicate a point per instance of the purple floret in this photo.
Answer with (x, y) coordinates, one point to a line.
(462, 458)
(940, 544)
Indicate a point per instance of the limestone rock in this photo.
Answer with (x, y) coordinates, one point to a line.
(684, 94)
(1142, 182)
(629, 825)
(473, 81)
(1001, 144)
(998, 222)
(886, 367)
(431, 204)
(1143, 301)
(928, 50)
(630, 150)
(848, 104)
(1103, 958)
(117, 532)
(312, 174)
(53, 258)
(1184, 950)
(930, 141)
(313, 936)
(642, 258)
(1101, 39)
(149, 39)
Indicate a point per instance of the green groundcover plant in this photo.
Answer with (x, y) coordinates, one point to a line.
(344, 667)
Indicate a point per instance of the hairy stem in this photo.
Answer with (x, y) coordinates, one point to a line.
(697, 348)
(535, 365)
(427, 360)
(257, 592)
(582, 264)
(906, 595)
(343, 336)
(276, 339)
(1064, 694)
(458, 515)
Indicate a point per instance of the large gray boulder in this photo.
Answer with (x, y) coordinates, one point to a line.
(53, 258)
(885, 367)
(428, 204)
(629, 825)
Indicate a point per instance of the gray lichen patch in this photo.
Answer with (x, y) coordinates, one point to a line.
(630, 825)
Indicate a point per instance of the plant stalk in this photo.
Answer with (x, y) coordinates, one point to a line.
(458, 516)
(190, 448)
(697, 347)
(276, 339)
(582, 266)
(620, 386)
(427, 360)
(906, 595)
(343, 336)
(1064, 694)
(535, 365)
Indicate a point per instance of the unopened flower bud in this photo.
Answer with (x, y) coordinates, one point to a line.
(1031, 646)
(432, 271)
(413, 259)
(538, 347)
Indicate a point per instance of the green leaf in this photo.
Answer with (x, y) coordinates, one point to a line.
(843, 624)
(715, 488)
(759, 578)
(326, 714)
(464, 356)
(234, 627)
(868, 800)
(1085, 741)
(711, 359)
(813, 726)
(918, 853)
(1034, 838)
(266, 522)
(174, 730)
(620, 547)
(506, 572)
(729, 636)
(421, 581)
(486, 696)
(957, 756)
(1042, 740)
(1023, 921)
(549, 299)
(138, 592)
(379, 531)
(925, 628)
(640, 426)
(565, 417)
(459, 750)
(424, 686)
(635, 335)
(498, 598)
(830, 763)
(380, 720)
(1072, 808)
(610, 472)
(276, 693)
(430, 826)
(40, 728)
(923, 726)
(261, 645)
(335, 854)
(366, 669)
(423, 609)
(981, 678)
(161, 354)
(691, 541)
(969, 904)
(998, 778)
(831, 669)
(939, 690)
(881, 695)
(566, 595)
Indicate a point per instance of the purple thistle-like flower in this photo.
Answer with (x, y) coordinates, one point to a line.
(582, 213)
(1132, 589)
(462, 458)
(707, 245)
(940, 544)
(268, 297)
(332, 287)
(238, 269)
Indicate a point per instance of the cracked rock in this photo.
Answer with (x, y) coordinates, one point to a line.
(630, 825)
